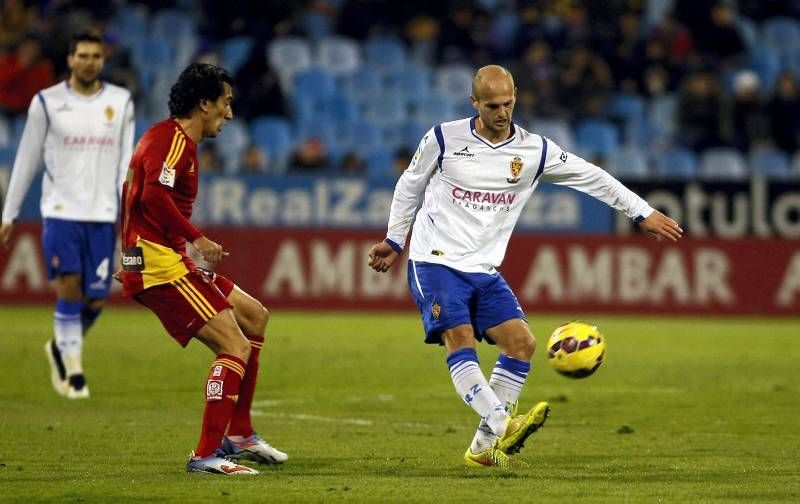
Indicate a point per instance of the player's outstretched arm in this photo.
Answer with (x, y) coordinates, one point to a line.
(211, 251)
(660, 226)
(6, 232)
(382, 256)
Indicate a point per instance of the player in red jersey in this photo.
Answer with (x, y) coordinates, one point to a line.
(191, 302)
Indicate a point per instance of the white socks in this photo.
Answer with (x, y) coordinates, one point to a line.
(472, 387)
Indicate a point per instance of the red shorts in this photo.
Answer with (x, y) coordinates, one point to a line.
(186, 304)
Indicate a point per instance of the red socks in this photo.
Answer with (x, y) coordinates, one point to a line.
(241, 424)
(222, 393)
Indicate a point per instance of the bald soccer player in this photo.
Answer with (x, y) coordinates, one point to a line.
(473, 177)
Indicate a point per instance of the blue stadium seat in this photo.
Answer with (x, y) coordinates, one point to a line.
(362, 137)
(389, 110)
(385, 53)
(596, 137)
(626, 108)
(749, 31)
(172, 24)
(454, 81)
(235, 51)
(662, 113)
(409, 82)
(288, 56)
(316, 25)
(628, 162)
(314, 83)
(340, 110)
(557, 130)
(232, 142)
(722, 163)
(363, 85)
(771, 163)
(274, 135)
(338, 55)
(379, 164)
(433, 109)
(677, 163)
(765, 60)
(782, 33)
(413, 133)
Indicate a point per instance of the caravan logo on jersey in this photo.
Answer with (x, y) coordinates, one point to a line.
(516, 169)
(484, 201)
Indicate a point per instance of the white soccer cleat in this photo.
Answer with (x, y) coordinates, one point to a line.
(58, 376)
(77, 388)
(253, 448)
(218, 463)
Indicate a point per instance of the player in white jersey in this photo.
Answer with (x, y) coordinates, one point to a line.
(84, 129)
(470, 180)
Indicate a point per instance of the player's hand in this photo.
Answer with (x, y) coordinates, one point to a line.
(660, 226)
(209, 250)
(382, 256)
(6, 232)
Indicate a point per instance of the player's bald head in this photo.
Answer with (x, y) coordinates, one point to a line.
(491, 80)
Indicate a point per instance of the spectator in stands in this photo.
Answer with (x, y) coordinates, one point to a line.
(310, 155)
(537, 95)
(626, 56)
(700, 111)
(258, 90)
(254, 160)
(22, 74)
(784, 112)
(749, 120)
(209, 159)
(401, 160)
(352, 164)
(586, 82)
(16, 21)
(720, 40)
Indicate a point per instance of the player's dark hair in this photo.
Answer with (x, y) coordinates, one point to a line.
(83, 37)
(199, 81)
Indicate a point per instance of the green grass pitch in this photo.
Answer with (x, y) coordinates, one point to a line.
(683, 409)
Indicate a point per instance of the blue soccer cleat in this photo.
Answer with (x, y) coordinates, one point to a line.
(253, 448)
(217, 463)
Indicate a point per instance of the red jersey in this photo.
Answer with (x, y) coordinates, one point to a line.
(157, 200)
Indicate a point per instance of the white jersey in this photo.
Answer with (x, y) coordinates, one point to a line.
(474, 192)
(86, 141)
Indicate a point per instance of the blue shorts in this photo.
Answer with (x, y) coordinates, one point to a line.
(447, 298)
(83, 248)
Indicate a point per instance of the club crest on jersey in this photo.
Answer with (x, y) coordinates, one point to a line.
(109, 112)
(516, 169)
(436, 310)
(167, 175)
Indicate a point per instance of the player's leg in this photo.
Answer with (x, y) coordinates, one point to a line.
(241, 440)
(97, 252)
(192, 307)
(501, 320)
(61, 247)
(443, 297)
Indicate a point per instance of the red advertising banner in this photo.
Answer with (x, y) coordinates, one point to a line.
(320, 269)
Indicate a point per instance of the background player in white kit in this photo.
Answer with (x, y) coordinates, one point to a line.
(476, 175)
(84, 128)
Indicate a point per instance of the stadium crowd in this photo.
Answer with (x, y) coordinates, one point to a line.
(659, 88)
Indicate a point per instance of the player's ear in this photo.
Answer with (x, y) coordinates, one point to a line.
(203, 105)
(475, 103)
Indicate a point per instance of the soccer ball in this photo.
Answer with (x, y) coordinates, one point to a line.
(576, 349)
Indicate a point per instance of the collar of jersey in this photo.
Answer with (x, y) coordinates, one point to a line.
(485, 141)
(84, 97)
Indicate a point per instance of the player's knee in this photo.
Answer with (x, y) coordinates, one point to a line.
(240, 347)
(254, 320)
(95, 304)
(526, 346)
